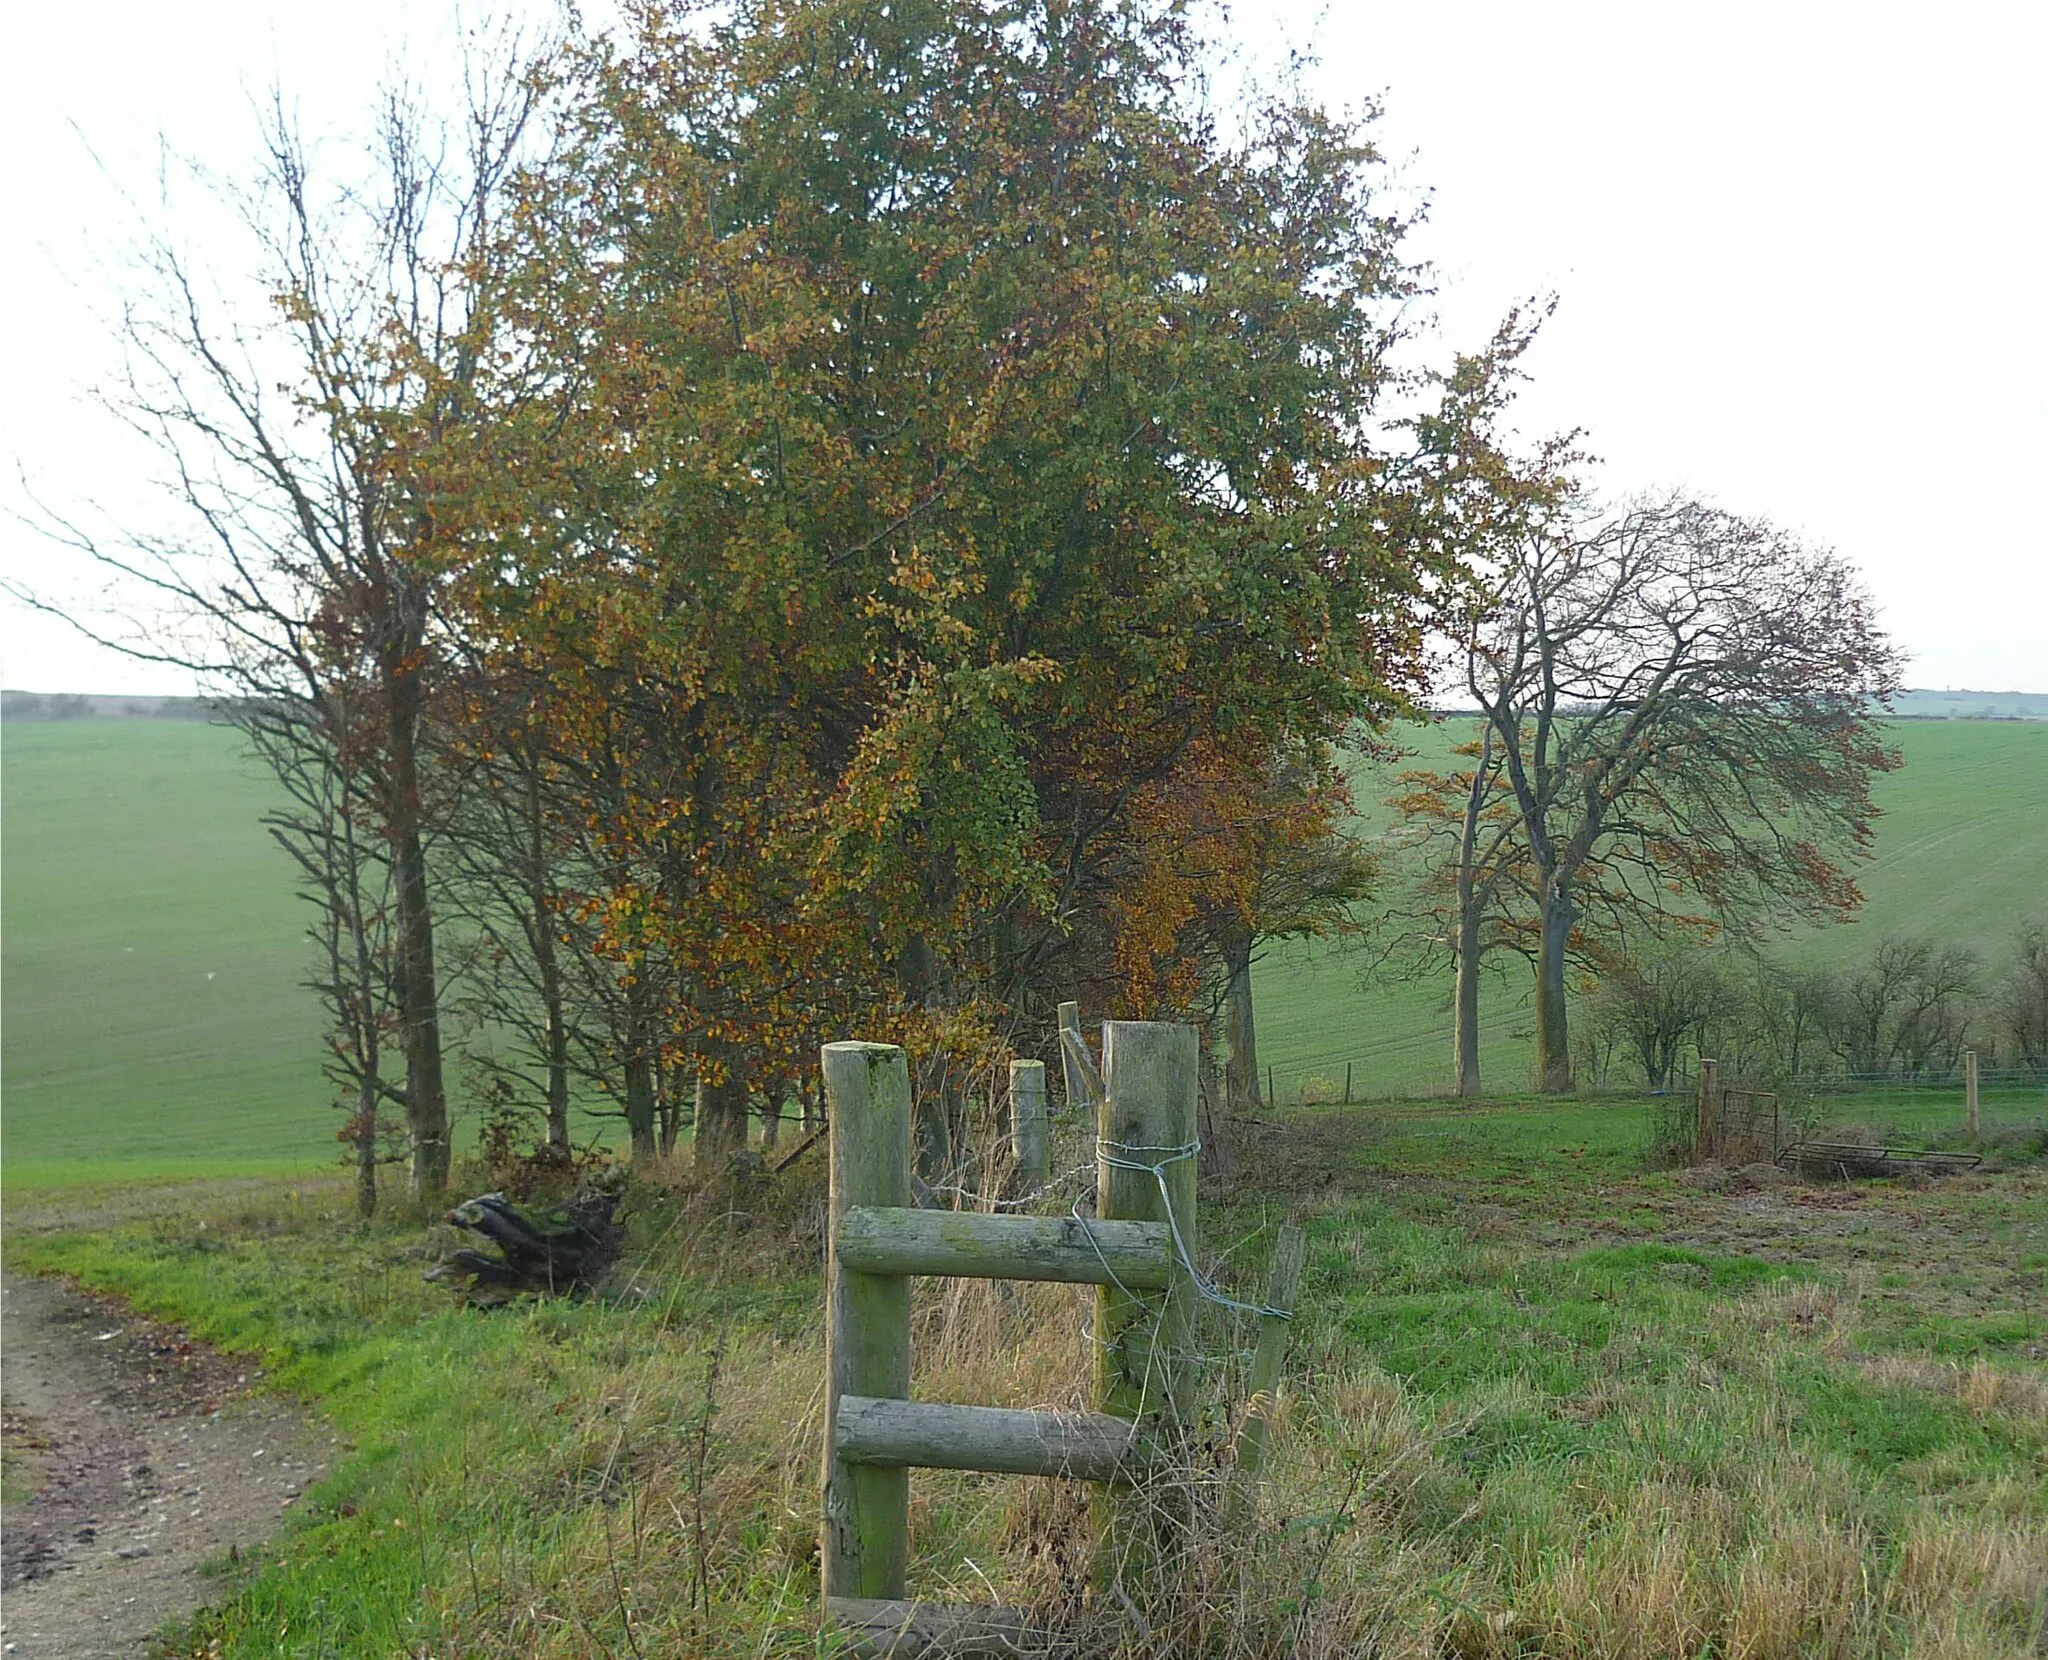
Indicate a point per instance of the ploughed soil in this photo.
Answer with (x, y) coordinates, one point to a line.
(138, 1466)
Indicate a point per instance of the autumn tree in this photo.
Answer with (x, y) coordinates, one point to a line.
(1685, 704)
(919, 435)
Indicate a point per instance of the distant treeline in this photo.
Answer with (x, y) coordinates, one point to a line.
(18, 705)
(1920, 703)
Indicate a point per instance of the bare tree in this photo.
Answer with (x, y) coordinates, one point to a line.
(346, 873)
(1685, 706)
(2021, 1002)
(1905, 1008)
(308, 561)
(1659, 1005)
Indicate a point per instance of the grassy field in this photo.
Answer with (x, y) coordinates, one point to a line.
(154, 1021)
(1961, 850)
(1543, 1402)
(1545, 1399)
(152, 952)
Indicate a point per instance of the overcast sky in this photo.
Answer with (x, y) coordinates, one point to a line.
(1798, 251)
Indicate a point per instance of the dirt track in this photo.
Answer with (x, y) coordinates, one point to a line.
(143, 1456)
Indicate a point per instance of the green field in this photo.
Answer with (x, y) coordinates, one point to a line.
(1962, 855)
(154, 1020)
(1541, 1402)
(1543, 1399)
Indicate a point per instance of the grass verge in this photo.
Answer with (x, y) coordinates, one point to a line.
(1543, 1403)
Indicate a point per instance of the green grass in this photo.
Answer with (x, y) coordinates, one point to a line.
(1544, 1402)
(1960, 850)
(153, 952)
(137, 869)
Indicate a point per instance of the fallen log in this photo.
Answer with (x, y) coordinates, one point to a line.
(546, 1255)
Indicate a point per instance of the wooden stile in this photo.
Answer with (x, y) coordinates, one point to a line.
(971, 1244)
(873, 1628)
(1146, 1097)
(928, 1435)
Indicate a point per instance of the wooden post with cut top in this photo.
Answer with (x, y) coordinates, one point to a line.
(1970, 1090)
(1028, 1138)
(1145, 1146)
(864, 1540)
(1706, 1113)
(1275, 1326)
(1083, 1080)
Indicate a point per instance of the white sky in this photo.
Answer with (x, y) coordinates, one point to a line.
(1799, 251)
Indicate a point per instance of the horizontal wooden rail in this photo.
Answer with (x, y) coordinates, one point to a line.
(972, 1244)
(1086, 1446)
(877, 1628)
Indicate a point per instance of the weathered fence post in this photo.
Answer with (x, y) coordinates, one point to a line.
(1145, 1147)
(1274, 1328)
(864, 1539)
(1706, 1117)
(1027, 1124)
(1970, 1090)
(1347, 1083)
(1083, 1080)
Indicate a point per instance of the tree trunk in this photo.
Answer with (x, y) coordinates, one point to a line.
(771, 1118)
(640, 1104)
(934, 1130)
(1553, 1040)
(1240, 1031)
(640, 1092)
(366, 1148)
(1465, 1024)
(549, 968)
(426, 1098)
(721, 1122)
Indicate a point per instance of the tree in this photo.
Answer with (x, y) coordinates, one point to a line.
(1905, 1008)
(2021, 1001)
(914, 436)
(1661, 1003)
(346, 873)
(1685, 705)
(302, 567)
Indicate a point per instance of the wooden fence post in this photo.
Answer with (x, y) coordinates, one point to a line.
(1070, 1063)
(1144, 1365)
(1970, 1090)
(1027, 1124)
(1706, 1118)
(1274, 1329)
(865, 1536)
(1347, 1083)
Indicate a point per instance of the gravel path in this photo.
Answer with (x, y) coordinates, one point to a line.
(141, 1455)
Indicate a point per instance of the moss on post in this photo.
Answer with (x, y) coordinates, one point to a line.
(864, 1542)
(1144, 1360)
